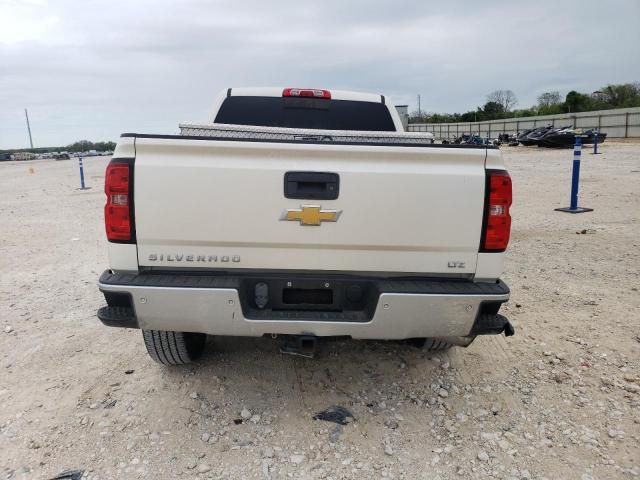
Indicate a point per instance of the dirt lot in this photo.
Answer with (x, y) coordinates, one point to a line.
(559, 400)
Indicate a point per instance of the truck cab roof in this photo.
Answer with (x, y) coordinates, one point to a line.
(277, 92)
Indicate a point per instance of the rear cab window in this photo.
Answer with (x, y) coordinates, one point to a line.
(311, 113)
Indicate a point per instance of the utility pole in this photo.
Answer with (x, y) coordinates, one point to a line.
(419, 109)
(26, 114)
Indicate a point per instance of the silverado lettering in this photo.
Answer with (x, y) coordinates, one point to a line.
(154, 257)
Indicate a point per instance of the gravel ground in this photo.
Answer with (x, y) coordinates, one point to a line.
(560, 399)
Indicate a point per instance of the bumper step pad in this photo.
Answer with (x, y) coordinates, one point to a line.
(118, 317)
(490, 324)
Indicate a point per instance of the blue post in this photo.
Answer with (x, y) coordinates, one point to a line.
(575, 181)
(595, 142)
(575, 175)
(82, 187)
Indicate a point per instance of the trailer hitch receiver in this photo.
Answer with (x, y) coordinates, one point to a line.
(300, 345)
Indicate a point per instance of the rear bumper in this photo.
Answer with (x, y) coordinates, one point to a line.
(218, 305)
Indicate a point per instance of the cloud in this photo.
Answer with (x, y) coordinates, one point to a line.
(22, 21)
(98, 68)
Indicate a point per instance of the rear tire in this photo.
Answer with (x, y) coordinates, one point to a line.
(173, 348)
(434, 345)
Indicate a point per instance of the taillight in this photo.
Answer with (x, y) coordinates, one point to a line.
(118, 209)
(497, 226)
(306, 92)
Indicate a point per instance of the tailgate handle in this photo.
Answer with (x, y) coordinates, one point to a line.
(311, 185)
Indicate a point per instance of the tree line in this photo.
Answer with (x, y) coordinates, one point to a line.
(86, 145)
(79, 146)
(501, 104)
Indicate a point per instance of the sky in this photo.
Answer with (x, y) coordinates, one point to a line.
(94, 69)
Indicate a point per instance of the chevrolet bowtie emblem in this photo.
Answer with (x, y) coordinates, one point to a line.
(310, 215)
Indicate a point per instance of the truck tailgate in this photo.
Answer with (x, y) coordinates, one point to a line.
(212, 204)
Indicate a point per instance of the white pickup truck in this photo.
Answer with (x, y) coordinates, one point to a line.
(304, 213)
